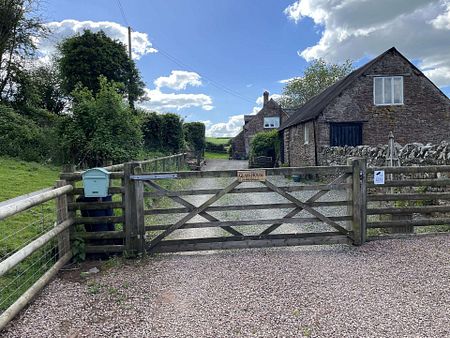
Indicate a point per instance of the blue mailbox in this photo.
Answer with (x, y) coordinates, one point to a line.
(96, 182)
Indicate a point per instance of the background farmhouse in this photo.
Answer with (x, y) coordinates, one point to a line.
(387, 94)
(271, 116)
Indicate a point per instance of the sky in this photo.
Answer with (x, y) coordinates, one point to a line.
(211, 60)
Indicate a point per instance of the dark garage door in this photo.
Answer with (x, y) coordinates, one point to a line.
(345, 134)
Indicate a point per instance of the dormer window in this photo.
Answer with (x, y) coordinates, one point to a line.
(272, 122)
(388, 90)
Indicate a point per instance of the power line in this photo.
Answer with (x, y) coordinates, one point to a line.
(182, 64)
(213, 82)
(122, 12)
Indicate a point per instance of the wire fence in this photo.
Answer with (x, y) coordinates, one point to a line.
(15, 233)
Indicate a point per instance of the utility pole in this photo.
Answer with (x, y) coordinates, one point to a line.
(129, 42)
(130, 99)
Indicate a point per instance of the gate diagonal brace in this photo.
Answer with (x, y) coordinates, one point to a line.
(191, 207)
(306, 207)
(192, 214)
(313, 198)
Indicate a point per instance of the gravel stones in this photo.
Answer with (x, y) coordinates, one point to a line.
(390, 288)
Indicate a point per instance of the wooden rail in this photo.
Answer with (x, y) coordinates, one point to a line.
(59, 231)
(10, 209)
(405, 202)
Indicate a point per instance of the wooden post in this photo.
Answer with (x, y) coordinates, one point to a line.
(140, 218)
(359, 200)
(70, 168)
(133, 211)
(62, 214)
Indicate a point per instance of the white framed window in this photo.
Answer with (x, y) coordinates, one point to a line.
(388, 90)
(272, 122)
(305, 134)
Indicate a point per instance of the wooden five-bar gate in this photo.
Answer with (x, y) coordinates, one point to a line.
(343, 219)
(186, 211)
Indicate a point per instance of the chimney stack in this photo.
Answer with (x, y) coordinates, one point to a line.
(266, 97)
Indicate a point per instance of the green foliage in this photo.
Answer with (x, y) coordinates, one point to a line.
(101, 128)
(316, 77)
(172, 133)
(151, 128)
(194, 135)
(86, 57)
(163, 132)
(265, 143)
(22, 137)
(19, 29)
(78, 245)
(215, 148)
(45, 89)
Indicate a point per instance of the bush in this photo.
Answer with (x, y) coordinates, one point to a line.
(265, 143)
(151, 128)
(215, 148)
(194, 135)
(102, 128)
(172, 133)
(163, 132)
(23, 138)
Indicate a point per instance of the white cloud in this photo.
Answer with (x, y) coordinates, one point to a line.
(353, 29)
(60, 30)
(230, 128)
(179, 79)
(284, 81)
(160, 101)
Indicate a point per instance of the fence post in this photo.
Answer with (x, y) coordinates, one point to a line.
(140, 218)
(359, 200)
(133, 211)
(62, 214)
(69, 168)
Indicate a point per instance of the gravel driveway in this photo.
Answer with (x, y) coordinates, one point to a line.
(390, 288)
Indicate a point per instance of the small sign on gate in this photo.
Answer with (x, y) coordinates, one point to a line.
(251, 175)
(378, 177)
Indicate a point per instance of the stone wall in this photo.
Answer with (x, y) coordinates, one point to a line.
(296, 152)
(238, 147)
(410, 154)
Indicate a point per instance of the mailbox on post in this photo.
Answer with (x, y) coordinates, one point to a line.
(95, 182)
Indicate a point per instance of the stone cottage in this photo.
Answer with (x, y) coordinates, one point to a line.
(270, 117)
(387, 94)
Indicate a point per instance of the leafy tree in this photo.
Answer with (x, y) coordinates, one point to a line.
(101, 128)
(316, 77)
(87, 56)
(40, 87)
(19, 29)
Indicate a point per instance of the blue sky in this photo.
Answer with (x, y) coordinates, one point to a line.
(230, 51)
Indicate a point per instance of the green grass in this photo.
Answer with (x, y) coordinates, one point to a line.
(216, 156)
(18, 178)
(218, 140)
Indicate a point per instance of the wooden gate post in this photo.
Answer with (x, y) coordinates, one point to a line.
(134, 211)
(359, 200)
(62, 214)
